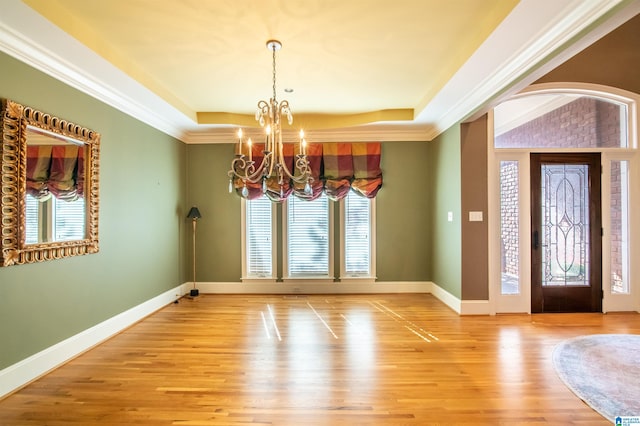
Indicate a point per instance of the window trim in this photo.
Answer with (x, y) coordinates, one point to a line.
(606, 93)
(245, 278)
(371, 276)
(286, 276)
(279, 264)
(47, 215)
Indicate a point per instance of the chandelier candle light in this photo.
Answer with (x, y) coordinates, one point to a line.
(269, 116)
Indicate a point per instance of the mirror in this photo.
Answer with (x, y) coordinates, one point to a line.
(49, 185)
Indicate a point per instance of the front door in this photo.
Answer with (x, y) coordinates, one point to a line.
(566, 259)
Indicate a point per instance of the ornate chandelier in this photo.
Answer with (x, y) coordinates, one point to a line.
(273, 165)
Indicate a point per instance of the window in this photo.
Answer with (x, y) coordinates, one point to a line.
(619, 227)
(357, 228)
(68, 219)
(308, 245)
(54, 220)
(259, 238)
(307, 236)
(540, 121)
(509, 227)
(31, 229)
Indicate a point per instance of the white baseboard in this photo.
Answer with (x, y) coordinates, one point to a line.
(447, 298)
(23, 372)
(292, 287)
(462, 307)
(475, 307)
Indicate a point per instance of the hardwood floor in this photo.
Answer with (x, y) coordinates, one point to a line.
(331, 360)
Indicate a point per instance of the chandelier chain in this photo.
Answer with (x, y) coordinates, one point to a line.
(273, 50)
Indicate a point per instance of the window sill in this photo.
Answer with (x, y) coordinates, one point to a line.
(361, 280)
(258, 280)
(309, 280)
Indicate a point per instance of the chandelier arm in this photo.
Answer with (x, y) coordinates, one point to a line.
(281, 159)
(281, 107)
(301, 164)
(256, 176)
(251, 173)
(240, 163)
(271, 164)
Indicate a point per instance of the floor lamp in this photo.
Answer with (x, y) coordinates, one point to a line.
(194, 215)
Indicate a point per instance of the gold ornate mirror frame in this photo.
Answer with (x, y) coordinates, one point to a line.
(15, 121)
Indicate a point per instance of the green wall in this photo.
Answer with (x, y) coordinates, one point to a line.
(403, 224)
(142, 225)
(404, 231)
(218, 249)
(445, 196)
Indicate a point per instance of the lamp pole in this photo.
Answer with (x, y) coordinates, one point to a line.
(194, 215)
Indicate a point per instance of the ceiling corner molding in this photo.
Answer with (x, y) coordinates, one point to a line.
(367, 133)
(97, 78)
(507, 60)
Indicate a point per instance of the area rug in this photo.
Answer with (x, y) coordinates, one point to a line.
(603, 370)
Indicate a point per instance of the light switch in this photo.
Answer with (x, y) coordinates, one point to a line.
(475, 216)
(450, 216)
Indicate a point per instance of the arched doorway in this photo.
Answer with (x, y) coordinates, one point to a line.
(555, 121)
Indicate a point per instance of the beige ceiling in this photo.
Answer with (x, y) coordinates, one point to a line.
(347, 62)
(338, 56)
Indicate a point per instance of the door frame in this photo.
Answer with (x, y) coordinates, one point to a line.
(521, 303)
(595, 292)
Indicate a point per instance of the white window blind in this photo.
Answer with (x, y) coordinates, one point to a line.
(69, 219)
(308, 236)
(357, 245)
(31, 220)
(259, 237)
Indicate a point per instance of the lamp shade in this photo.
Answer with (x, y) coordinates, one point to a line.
(194, 213)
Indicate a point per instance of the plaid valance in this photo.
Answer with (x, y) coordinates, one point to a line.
(336, 168)
(366, 168)
(56, 170)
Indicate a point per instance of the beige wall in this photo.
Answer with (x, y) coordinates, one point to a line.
(475, 261)
(614, 61)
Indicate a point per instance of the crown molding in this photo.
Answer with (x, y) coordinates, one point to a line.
(506, 62)
(366, 133)
(48, 49)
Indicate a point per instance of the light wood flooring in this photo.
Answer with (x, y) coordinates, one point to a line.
(318, 360)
